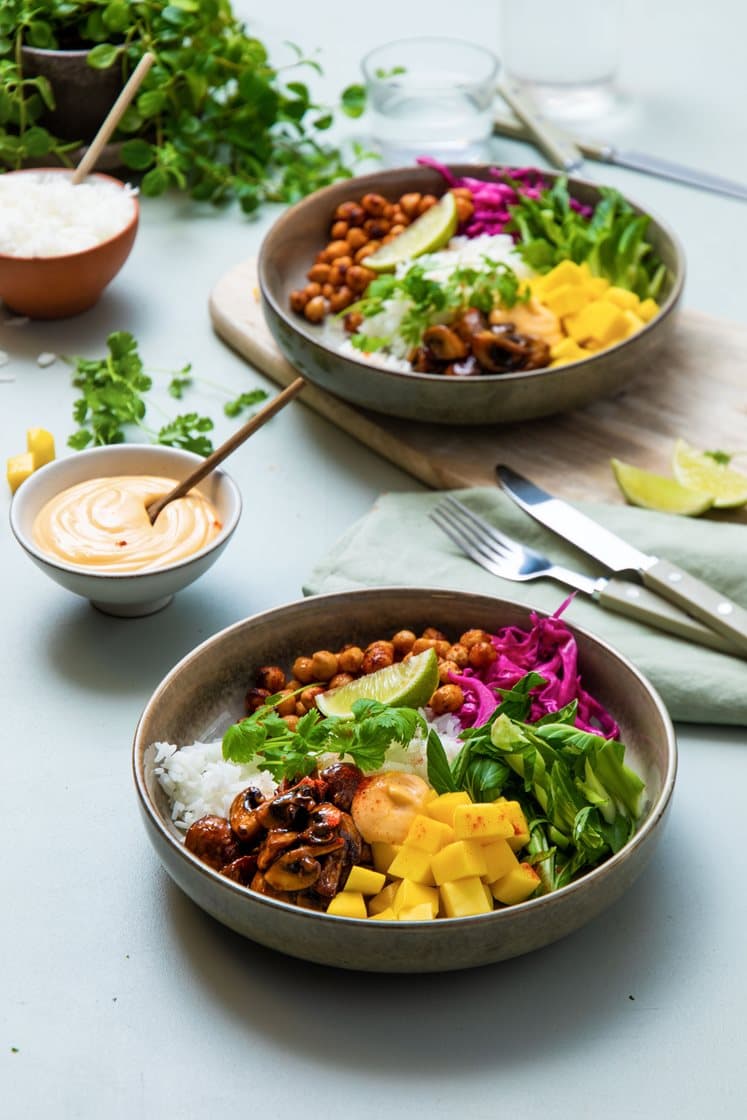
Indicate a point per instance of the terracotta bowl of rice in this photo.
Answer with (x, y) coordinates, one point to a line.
(178, 769)
(61, 245)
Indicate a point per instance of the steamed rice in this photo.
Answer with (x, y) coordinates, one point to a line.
(199, 782)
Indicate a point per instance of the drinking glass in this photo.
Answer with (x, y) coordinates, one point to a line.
(430, 96)
(566, 52)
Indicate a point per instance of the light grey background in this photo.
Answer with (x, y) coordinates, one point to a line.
(122, 999)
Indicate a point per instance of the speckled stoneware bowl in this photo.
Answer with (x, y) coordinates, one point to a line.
(126, 594)
(289, 251)
(210, 682)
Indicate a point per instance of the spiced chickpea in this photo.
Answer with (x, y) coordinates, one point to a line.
(356, 238)
(441, 647)
(482, 654)
(341, 299)
(300, 709)
(352, 321)
(444, 668)
(336, 249)
(291, 721)
(465, 209)
(375, 204)
(422, 644)
(339, 230)
(340, 679)
(303, 670)
(328, 290)
(447, 698)
(366, 251)
(254, 698)
(396, 229)
(376, 227)
(469, 637)
(409, 204)
(358, 278)
(403, 642)
(316, 309)
(377, 657)
(350, 659)
(319, 273)
(338, 274)
(324, 664)
(287, 707)
(351, 213)
(426, 202)
(308, 697)
(272, 677)
(298, 301)
(432, 632)
(381, 643)
(313, 288)
(459, 654)
(293, 685)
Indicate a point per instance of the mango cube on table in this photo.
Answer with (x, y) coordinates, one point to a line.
(517, 886)
(461, 898)
(482, 821)
(19, 468)
(442, 807)
(348, 904)
(459, 860)
(40, 443)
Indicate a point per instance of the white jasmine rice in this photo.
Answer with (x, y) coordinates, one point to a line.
(199, 782)
(43, 215)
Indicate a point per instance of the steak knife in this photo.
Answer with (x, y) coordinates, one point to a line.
(666, 579)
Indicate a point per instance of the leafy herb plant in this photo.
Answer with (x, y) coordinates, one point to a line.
(214, 117)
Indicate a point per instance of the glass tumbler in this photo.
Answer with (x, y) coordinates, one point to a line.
(430, 96)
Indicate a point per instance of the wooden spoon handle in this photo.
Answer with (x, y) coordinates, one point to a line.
(112, 119)
(226, 448)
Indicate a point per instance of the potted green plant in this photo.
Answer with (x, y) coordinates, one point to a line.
(214, 117)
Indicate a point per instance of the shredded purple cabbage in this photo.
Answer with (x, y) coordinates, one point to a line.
(493, 197)
(549, 649)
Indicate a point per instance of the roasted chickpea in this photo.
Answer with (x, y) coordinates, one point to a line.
(298, 301)
(356, 238)
(358, 278)
(459, 654)
(448, 698)
(287, 707)
(442, 647)
(409, 204)
(380, 643)
(339, 231)
(340, 679)
(432, 632)
(350, 659)
(426, 202)
(300, 710)
(402, 642)
(398, 216)
(366, 251)
(396, 229)
(375, 204)
(303, 670)
(376, 227)
(313, 288)
(308, 697)
(421, 644)
(482, 654)
(444, 668)
(351, 213)
(465, 209)
(469, 637)
(462, 192)
(352, 321)
(254, 698)
(377, 657)
(341, 299)
(337, 274)
(324, 664)
(336, 249)
(292, 722)
(316, 309)
(319, 273)
(328, 290)
(272, 677)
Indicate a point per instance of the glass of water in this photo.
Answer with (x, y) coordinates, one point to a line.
(566, 53)
(430, 96)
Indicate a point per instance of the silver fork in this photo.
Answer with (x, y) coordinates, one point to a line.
(508, 558)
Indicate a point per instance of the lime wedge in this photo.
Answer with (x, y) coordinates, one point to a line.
(656, 491)
(701, 472)
(431, 231)
(406, 684)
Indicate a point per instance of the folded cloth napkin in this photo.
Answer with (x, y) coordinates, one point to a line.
(396, 544)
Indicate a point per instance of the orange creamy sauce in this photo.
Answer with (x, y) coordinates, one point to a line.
(103, 524)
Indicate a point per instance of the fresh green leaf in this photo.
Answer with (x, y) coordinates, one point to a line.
(353, 100)
(439, 770)
(244, 400)
(102, 56)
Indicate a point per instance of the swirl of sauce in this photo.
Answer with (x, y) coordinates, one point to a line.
(103, 524)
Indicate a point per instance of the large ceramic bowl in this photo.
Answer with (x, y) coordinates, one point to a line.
(127, 594)
(291, 247)
(207, 687)
(70, 283)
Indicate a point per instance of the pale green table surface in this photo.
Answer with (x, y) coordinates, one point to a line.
(118, 998)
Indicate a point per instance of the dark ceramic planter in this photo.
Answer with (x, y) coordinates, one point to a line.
(83, 96)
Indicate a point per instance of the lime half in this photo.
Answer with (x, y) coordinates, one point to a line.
(431, 231)
(702, 472)
(406, 684)
(656, 491)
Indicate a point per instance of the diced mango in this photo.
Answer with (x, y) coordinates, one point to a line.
(565, 299)
(384, 900)
(635, 322)
(499, 860)
(348, 904)
(647, 309)
(622, 297)
(517, 886)
(600, 320)
(384, 916)
(19, 468)
(383, 854)
(412, 863)
(459, 860)
(484, 821)
(428, 834)
(567, 272)
(442, 807)
(411, 894)
(464, 897)
(515, 814)
(420, 913)
(40, 443)
(596, 286)
(365, 880)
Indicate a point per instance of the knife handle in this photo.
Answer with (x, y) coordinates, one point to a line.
(699, 600)
(636, 602)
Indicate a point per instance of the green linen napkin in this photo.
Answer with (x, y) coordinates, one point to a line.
(396, 544)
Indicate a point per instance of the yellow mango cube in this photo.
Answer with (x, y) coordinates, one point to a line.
(565, 299)
(599, 321)
(442, 807)
(459, 860)
(428, 834)
(383, 854)
(365, 880)
(596, 286)
(647, 308)
(464, 897)
(409, 894)
(481, 821)
(567, 272)
(635, 322)
(40, 443)
(18, 469)
(384, 916)
(499, 860)
(515, 814)
(622, 297)
(384, 900)
(412, 863)
(420, 913)
(348, 904)
(517, 886)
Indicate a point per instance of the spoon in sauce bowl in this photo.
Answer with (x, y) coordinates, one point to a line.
(226, 448)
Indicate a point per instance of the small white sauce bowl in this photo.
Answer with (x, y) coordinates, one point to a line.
(126, 594)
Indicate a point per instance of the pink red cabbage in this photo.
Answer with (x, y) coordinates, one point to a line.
(549, 649)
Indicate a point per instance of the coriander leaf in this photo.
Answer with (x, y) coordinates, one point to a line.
(243, 740)
(243, 401)
(178, 384)
(185, 432)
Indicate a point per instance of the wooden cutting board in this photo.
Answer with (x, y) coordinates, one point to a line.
(697, 389)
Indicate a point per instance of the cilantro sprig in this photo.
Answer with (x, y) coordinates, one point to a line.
(265, 738)
(113, 398)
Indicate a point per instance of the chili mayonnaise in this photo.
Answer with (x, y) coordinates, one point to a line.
(104, 524)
